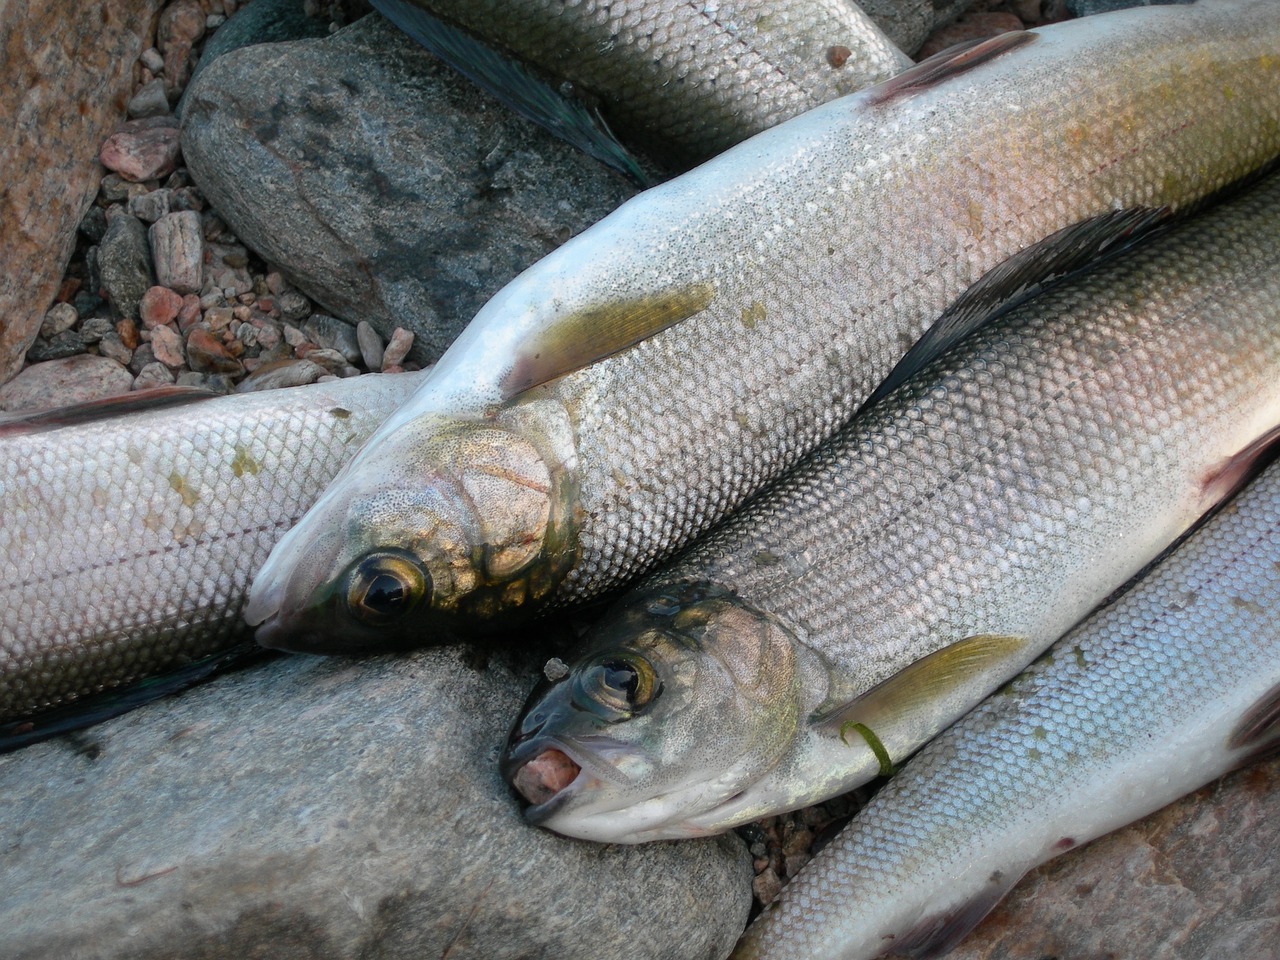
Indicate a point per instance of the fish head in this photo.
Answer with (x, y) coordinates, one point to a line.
(458, 522)
(683, 697)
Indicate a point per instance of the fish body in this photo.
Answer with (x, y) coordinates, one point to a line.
(785, 278)
(929, 552)
(127, 542)
(1173, 685)
(688, 79)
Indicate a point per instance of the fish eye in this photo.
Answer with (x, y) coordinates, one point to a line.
(384, 586)
(615, 689)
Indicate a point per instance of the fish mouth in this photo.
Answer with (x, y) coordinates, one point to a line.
(546, 775)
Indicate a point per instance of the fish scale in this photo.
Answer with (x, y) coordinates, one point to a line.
(927, 553)
(691, 79)
(128, 542)
(805, 262)
(1136, 707)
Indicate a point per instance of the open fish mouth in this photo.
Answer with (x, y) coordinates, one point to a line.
(546, 778)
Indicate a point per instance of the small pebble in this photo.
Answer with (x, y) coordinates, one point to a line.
(206, 354)
(153, 375)
(56, 383)
(371, 346)
(94, 224)
(113, 188)
(182, 22)
(124, 264)
(766, 886)
(151, 100)
(331, 360)
(127, 331)
(189, 312)
(95, 328)
(177, 244)
(397, 348)
(293, 336)
(218, 318)
(142, 149)
(112, 346)
(293, 305)
(334, 334)
(152, 60)
(159, 305)
(61, 316)
(166, 344)
(142, 356)
(151, 206)
(68, 343)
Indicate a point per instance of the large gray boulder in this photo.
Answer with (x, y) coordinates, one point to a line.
(386, 186)
(330, 809)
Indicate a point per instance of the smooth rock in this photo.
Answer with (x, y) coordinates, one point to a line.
(332, 808)
(429, 195)
(66, 71)
(183, 21)
(61, 316)
(397, 348)
(334, 334)
(177, 243)
(263, 21)
(166, 345)
(151, 100)
(124, 262)
(112, 346)
(206, 354)
(154, 374)
(371, 345)
(95, 328)
(159, 306)
(1195, 880)
(142, 149)
(150, 207)
(65, 344)
(293, 305)
(56, 383)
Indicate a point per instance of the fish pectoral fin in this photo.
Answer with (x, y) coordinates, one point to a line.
(515, 84)
(1258, 733)
(91, 411)
(1021, 276)
(948, 63)
(592, 334)
(1238, 469)
(899, 715)
(938, 933)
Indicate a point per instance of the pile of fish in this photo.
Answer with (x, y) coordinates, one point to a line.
(1014, 463)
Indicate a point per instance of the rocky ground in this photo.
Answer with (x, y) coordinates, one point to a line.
(186, 268)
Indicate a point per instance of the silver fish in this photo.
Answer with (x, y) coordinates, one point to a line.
(1172, 686)
(128, 539)
(787, 277)
(689, 80)
(928, 553)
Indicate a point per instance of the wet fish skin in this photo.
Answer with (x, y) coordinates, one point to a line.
(930, 551)
(690, 80)
(128, 542)
(820, 250)
(1146, 701)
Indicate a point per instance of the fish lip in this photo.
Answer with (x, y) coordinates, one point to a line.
(515, 759)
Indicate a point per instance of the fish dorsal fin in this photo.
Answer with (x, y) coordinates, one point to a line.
(594, 333)
(1235, 471)
(938, 933)
(78, 414)
(1258, 732)
(516, 84)
(1020, 277)
(899, 714)
(951, 62)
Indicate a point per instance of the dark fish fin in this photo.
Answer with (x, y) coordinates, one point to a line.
(15, 734)
(1232, 474)
(76, 414)
(939, 933)
(899, 714)
(1258, 733)
(951, 62)
(1020, 277)
(582, 338)
(515, 84)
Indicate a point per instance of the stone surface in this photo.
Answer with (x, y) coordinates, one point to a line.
(263, 21)
(177, 244)
(67, 71)
(371, 345)
(206, 354)
(1195, 880)
(334, 334)
(124, 262)
(330, 808)
(972, 26)
(151, 100)
(56, 383)
(158, 306)
(61, 316)
(281, 373)
(428, 195)
(142, 149)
